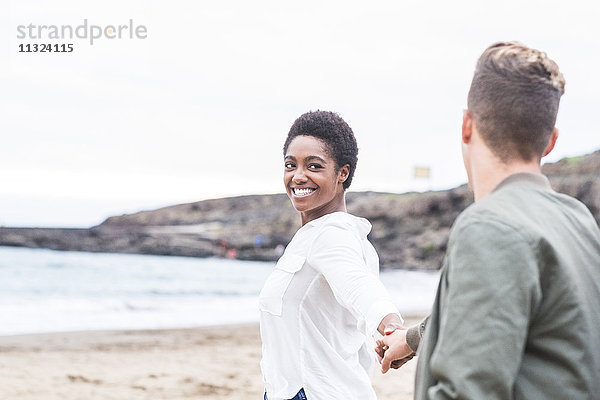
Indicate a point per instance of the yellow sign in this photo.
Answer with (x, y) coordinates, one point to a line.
(422, 172)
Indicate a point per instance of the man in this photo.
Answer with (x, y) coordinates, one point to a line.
(517, 313)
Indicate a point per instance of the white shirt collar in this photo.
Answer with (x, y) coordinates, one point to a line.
(341, 218)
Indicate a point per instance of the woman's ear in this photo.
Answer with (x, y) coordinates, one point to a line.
(343, 173)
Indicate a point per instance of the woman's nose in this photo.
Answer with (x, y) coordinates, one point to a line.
(299, 176)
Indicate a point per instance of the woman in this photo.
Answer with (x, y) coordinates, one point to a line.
(323, 302)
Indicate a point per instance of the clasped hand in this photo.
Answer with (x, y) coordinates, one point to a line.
(393, 351)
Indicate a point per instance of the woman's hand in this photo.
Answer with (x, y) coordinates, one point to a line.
(389, 324)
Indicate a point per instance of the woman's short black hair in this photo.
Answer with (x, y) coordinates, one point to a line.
(334, 132)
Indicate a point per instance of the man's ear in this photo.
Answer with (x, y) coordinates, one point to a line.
(343, 173)
(467, 127)
(551, 143)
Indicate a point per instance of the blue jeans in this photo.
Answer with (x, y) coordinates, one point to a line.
(300, 396)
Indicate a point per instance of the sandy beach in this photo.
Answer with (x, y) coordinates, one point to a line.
(212, 363)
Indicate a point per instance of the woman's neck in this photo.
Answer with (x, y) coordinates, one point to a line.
(338, 204)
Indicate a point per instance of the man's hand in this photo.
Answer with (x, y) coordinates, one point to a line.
(393, 351)
(395, 364)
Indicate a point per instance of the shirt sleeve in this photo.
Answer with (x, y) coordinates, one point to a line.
(492, 290)
(338, 255)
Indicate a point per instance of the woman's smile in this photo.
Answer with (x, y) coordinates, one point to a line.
(303, 192)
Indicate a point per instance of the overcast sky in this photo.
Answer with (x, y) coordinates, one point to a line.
(200, 108)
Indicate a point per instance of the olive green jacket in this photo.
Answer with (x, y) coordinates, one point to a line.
(517, 312)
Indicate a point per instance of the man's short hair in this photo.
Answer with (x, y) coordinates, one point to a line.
(514, 100)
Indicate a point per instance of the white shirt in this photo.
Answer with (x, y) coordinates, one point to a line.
(320, 309)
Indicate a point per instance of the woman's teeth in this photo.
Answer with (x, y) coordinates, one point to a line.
(303, 192)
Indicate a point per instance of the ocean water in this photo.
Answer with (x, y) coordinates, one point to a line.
(52, 291)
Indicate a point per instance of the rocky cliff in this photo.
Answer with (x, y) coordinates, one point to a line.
(409, 230)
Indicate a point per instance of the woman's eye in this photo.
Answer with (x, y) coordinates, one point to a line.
(289, 165)
(314, 166)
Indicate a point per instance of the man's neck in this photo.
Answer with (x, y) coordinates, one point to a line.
(488, 171)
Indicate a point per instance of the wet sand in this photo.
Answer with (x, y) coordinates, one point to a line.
(212, 363)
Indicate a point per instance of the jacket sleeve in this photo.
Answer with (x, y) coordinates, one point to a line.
(415, 333)
(491, 293)
(337, 254)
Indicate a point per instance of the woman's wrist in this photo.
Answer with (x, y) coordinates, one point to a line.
(390, 323)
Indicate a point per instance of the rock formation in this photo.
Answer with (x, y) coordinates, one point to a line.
(410, 230)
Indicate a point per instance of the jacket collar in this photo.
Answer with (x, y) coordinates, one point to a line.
(527, 178)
